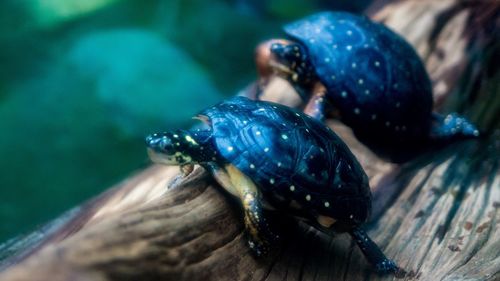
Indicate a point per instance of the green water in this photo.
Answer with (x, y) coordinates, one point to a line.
(81, 83)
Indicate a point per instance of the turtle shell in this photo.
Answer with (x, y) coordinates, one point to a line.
(373, 76)
(292, 158)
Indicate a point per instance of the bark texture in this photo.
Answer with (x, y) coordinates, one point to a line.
(436, 216)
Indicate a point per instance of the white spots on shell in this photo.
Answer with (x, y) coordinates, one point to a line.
(275, 107)
(327, 204)
(230, 148)
(361, 81)
(349, 32)
(335, 46)
(266, 149)
(285, 137)
(252, 166)
(175, 136)
(354, 65)
(348, 47)
(292, 187)
(332, 27)
(351, 216)
(296, 114)
(317, 30)
(367, 92)
(261, 109)
(245, 122)
(395, 86)
(327, 60)
(343, 94)
(312, 40)
(258, 133)
(322, 150)
(307, 130)
(177, 144)
(279, 164)
(366, 46)
(377, 63)
(333, 77)
(357, 111)
(271, 181)
(213, 158)
(308, 197)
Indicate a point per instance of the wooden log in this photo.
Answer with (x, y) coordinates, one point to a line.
(437, 215)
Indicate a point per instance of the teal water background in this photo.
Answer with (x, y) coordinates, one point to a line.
(83, 81)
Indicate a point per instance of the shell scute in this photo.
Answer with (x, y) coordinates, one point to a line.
(304, 162)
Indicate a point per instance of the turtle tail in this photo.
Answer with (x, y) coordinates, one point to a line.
(452, 126)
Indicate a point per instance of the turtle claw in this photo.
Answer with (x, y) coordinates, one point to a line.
(387, 266)
(259, 249)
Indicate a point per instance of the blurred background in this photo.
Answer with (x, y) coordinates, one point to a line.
(83, 81)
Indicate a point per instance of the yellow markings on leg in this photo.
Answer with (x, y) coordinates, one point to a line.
(326, 221)
(249, 195)
(241, 183)
(223, 179)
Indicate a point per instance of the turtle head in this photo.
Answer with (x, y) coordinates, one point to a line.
(285, 58)
(177, 147)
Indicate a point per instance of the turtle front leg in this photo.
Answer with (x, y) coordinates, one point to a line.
(316, 105)
(372, 252)
(261, 237)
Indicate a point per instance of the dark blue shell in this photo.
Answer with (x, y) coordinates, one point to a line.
(291, 156)
(373, 76)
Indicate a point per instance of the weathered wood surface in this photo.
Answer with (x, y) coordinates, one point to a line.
(437, 215)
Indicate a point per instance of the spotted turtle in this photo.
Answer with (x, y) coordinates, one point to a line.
(370, 75)
(272, 157)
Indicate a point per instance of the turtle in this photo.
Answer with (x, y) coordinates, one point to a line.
(273, 158)
(369, 75)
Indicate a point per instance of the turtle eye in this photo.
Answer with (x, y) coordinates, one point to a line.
(279, 50)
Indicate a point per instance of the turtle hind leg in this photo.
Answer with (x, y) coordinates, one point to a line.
(316, 104)
(372, 252)
(452, 126)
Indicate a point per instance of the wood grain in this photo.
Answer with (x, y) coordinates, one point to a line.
(436, 215)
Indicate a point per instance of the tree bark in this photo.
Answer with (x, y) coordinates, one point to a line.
(436, 216)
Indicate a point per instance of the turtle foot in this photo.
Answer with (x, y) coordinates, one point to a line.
(453, 126)
(386, 266)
